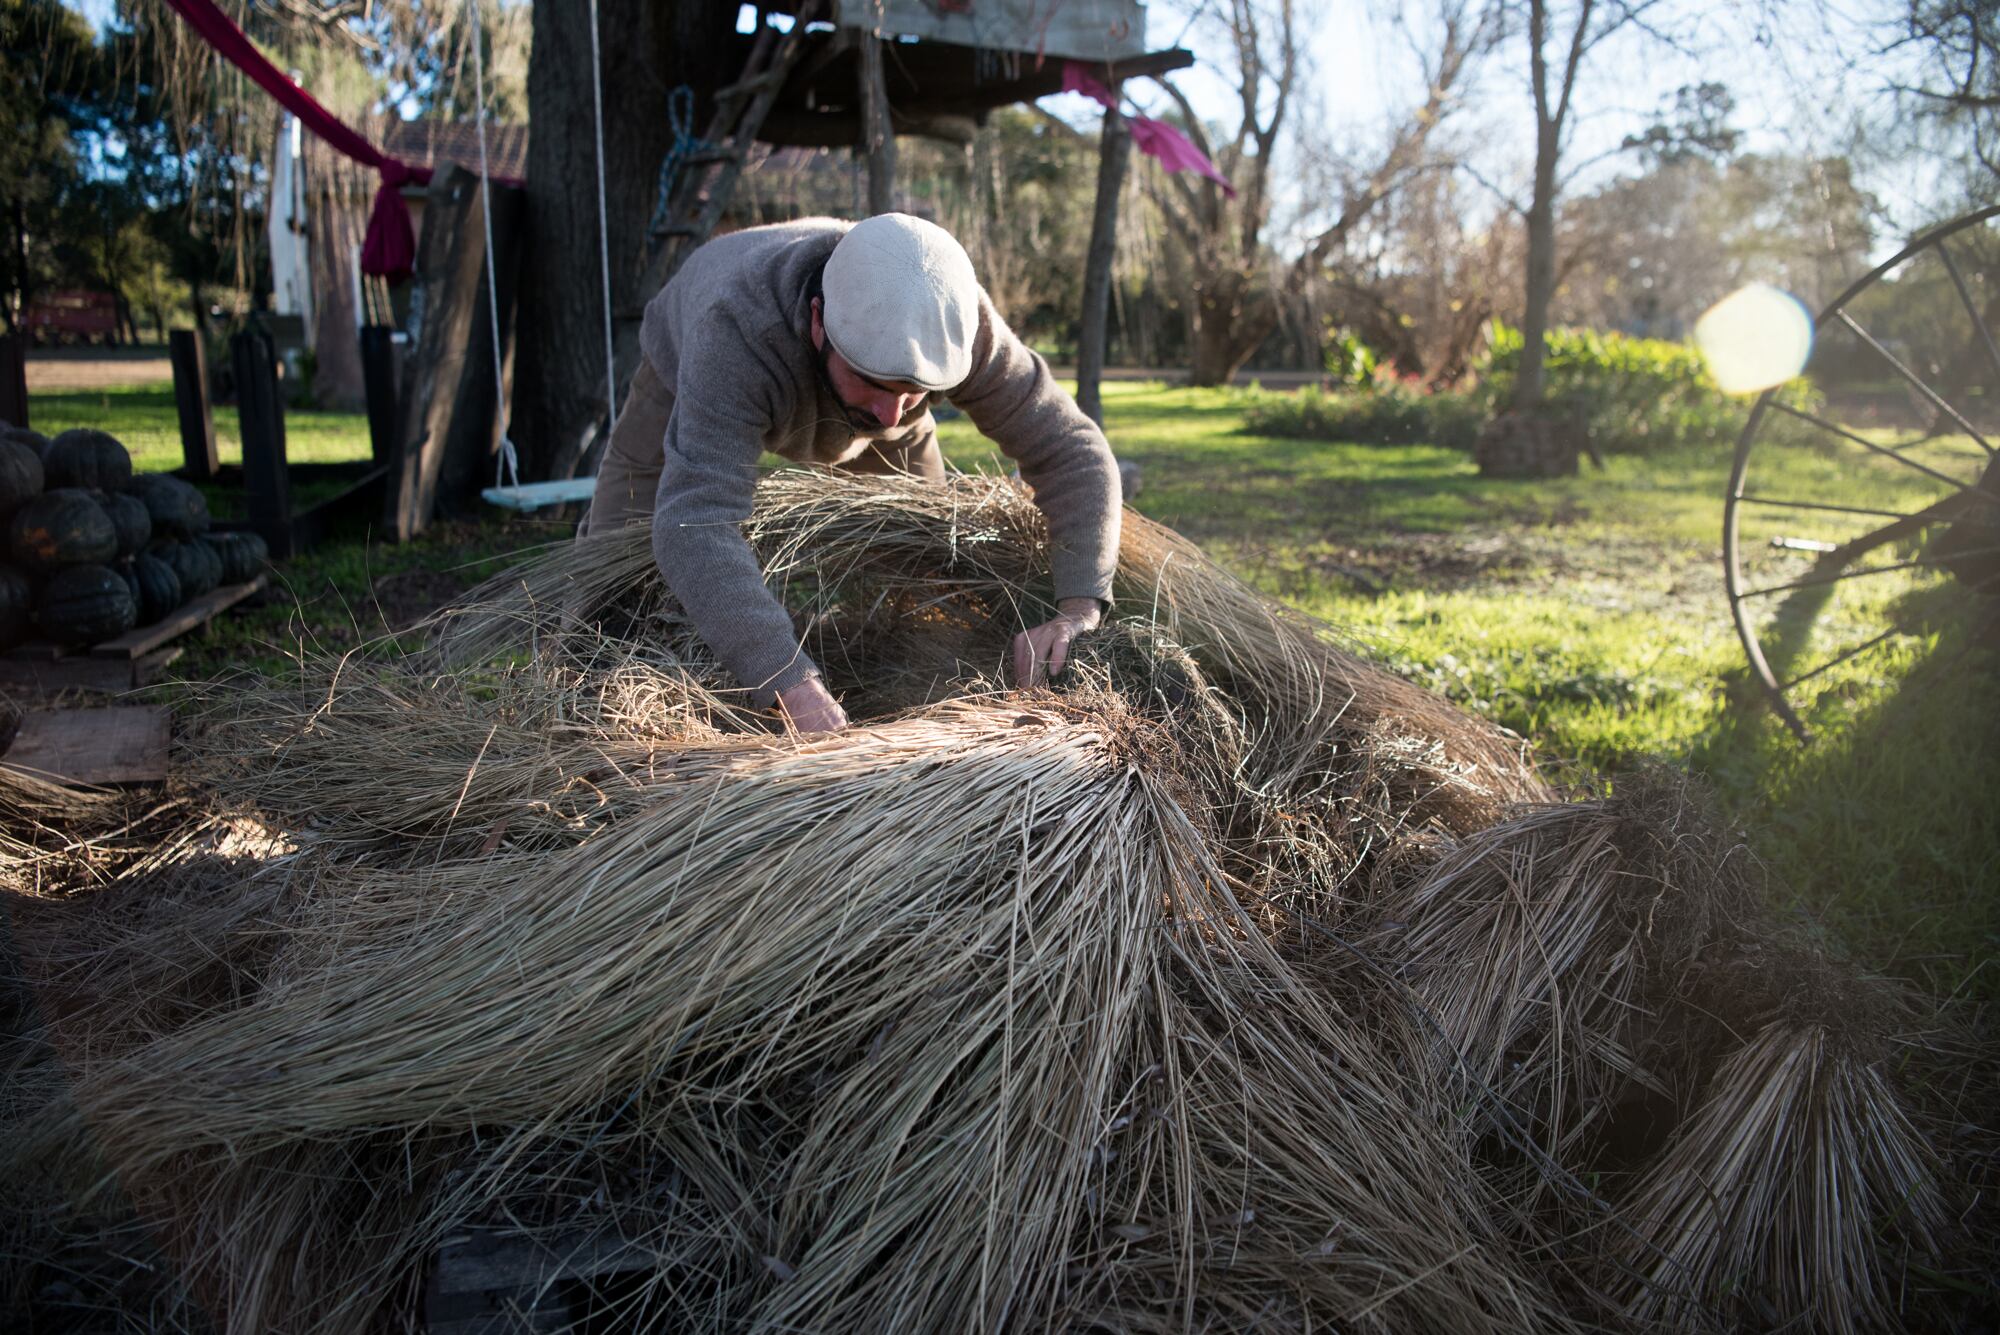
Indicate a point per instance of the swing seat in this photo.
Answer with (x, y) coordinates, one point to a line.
(531, 496)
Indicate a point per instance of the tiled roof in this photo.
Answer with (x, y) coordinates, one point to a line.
(424, 143)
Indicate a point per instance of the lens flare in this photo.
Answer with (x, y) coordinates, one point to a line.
(1754, 338)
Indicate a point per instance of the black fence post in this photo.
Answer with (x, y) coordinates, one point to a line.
(262, 413)
(14, 379)
(199, 462)
(378, 377)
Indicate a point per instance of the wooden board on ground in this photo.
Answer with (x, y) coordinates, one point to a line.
(121, 744)
(143, 640)
(81, 672)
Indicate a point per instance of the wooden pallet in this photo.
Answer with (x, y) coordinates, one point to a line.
(137, 658)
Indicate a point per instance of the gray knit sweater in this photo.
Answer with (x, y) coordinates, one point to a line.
(731, 338)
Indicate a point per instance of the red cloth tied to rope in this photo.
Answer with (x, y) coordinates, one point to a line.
(1155, 138)
(390, 247)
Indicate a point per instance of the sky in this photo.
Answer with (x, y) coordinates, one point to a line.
(1800, 70)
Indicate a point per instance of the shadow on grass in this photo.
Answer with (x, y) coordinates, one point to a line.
(1884, 826)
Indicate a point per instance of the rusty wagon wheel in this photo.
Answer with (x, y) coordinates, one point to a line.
(1839, 540)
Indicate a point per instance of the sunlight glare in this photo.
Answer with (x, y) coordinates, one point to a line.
(1754, 338)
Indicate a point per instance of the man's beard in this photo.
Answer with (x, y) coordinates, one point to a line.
(855, 417)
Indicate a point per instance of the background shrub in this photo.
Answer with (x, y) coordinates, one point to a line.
(1630, 396)
(1393, 415)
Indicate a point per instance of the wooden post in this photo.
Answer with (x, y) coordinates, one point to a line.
(472, 442)
(199, 462)
(378, 379)
(878, 135)
(261, 414)
(1114, 148)
(14, 380)
(447, 405)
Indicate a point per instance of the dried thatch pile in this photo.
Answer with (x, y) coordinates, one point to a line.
(1233, 985)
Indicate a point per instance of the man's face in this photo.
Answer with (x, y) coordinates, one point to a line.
(870, 405)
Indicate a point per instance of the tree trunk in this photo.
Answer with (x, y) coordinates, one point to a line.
(1114, 149)
(1542, 207)
(1232, 318)
(559, 390)
(1541, 279)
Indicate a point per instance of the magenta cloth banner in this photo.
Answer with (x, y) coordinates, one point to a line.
(390, 247)
(1156, 139)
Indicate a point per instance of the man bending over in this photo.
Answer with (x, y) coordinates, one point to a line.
(826, 342)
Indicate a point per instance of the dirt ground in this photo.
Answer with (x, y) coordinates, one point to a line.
(60, 370)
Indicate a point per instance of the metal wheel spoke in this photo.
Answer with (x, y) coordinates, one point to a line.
(1965, 295)
(1821, 505)
(1814, 582)
(1915, 380)
(1955, 484)
(1831, 663)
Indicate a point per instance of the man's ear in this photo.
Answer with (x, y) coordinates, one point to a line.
(818, 327)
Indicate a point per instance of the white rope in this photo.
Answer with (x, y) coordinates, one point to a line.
(603, 217)
(506, 468)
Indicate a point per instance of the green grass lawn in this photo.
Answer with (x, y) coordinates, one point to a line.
(1588, 613)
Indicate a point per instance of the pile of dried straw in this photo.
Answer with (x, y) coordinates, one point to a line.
(1235, 984)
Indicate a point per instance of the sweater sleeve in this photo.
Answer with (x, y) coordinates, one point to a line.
(1014, 400)
(707, 485)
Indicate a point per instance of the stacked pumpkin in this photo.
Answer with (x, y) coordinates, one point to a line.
(94, 549)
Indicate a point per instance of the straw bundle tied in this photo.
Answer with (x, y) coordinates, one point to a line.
(1235, 984)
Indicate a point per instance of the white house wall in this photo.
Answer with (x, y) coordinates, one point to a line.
(291, 257)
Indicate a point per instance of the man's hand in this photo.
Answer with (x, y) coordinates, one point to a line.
(1041, 652)
(809, 707)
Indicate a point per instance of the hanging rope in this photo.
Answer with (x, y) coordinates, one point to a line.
(603, 217)
(506, 468)
(680, 118)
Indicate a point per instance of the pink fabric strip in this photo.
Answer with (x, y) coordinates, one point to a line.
(1154, 138)
(390, 246)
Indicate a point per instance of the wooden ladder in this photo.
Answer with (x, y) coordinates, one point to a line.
(708, 176)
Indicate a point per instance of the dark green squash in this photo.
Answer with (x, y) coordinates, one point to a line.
(132, 522)
(34, 440)
(179, 511)
(155, 585)
(213, 560)
(17, 607)
(259, 550)
(20, 475)
(82, 457)
(193, 564)
(61, 528)
(85, 604)
(243, 555)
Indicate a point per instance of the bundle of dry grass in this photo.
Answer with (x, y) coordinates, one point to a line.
(1217, 989)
